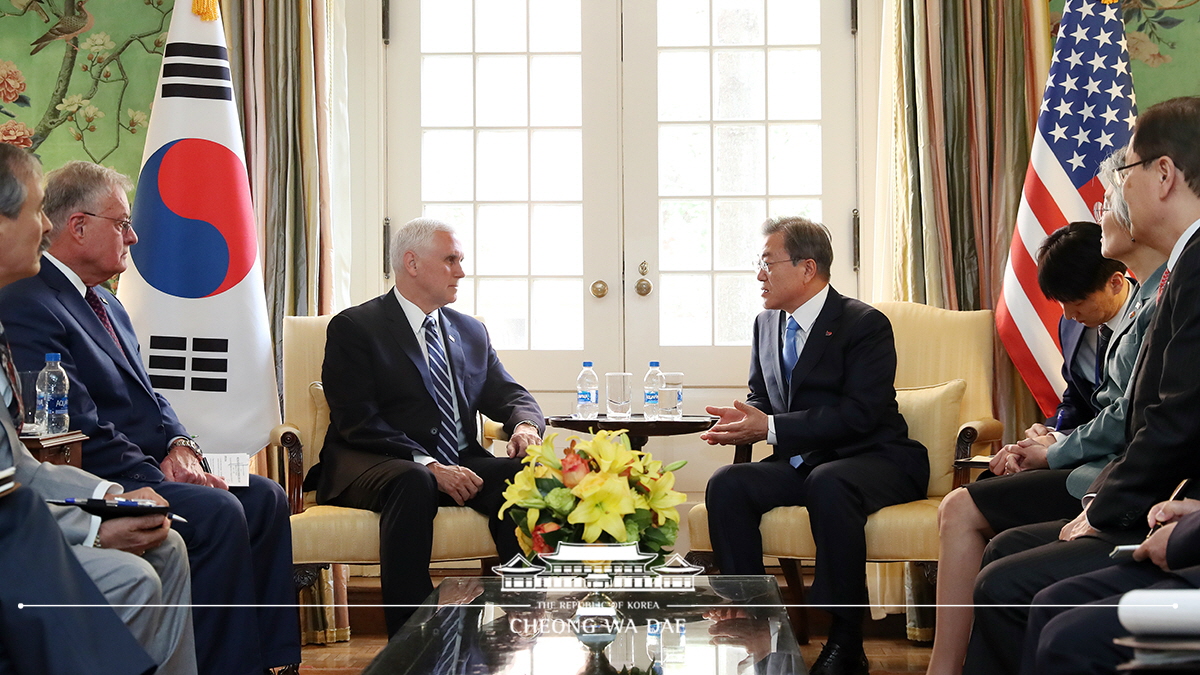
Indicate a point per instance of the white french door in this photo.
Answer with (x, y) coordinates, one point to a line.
(583, 146)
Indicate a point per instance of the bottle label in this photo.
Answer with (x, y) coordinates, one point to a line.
(41, 401)
(587, 396)
(651, 397)
(56, 405)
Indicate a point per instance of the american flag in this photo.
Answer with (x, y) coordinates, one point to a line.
(1087, 112)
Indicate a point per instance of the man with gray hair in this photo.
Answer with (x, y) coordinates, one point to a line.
(62, 558)
(405, 377)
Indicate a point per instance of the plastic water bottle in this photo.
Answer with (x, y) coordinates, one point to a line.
(51, 416)
(650, 386)
(587, 393)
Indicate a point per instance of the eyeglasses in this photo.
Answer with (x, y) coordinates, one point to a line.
(764, 266)
(124, 225)
(1127, 167)
(1099, 209)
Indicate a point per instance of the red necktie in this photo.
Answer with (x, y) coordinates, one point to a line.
(1162, 285)
(97, 305)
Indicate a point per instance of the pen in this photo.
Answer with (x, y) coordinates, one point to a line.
(1058, 421)
(1175, 494)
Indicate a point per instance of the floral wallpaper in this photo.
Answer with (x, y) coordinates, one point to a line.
(1163, 37)
(77, 77)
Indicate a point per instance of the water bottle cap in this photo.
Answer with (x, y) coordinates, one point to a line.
(54, 357)
(587, 364)
(654, 364)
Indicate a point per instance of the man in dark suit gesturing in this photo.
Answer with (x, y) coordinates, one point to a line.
(405, 377)
(822, 392)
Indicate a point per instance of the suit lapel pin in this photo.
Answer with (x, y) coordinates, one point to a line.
(828, 333)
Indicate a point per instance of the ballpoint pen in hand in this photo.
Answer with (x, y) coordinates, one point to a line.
(1128, 549)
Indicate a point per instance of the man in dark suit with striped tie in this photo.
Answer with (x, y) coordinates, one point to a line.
(405, 377)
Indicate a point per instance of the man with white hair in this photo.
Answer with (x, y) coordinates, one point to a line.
(405, 377)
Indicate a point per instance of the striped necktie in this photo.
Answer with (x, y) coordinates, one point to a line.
(446, 451)
(1162, 285)
(97, 305)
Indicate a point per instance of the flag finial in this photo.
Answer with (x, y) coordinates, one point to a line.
(205, 9)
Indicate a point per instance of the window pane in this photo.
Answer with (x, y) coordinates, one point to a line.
(503, 166)
(557, 239)
(739, 160)
(445, 26)
(794, 22)
(500, 26)
(808, 208)
(684, 234)
(501, 92)
(555, 91)
(738, 22)
(738, 229)
(794, 82)
(795, 159)
(462, 218)
(504, 306)
(738, 301)
(446, 165)
(465, 302)
(683, 23)
(685, 310)
(446, 98)
(684, 158)
(554, 26)
(739, 81)
(557, 314)
(502, 239)
(683, 86)
(557, 169)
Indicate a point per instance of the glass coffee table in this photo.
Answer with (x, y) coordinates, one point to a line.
(640, 429)
(475, 625)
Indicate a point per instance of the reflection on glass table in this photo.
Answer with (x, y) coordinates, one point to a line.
(724, 626)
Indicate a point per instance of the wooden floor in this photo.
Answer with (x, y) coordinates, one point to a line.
(887, 649)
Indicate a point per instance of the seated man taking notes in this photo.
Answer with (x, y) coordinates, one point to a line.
(822, 374)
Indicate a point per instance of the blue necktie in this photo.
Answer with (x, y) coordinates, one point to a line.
(790, 355)
(446, 451)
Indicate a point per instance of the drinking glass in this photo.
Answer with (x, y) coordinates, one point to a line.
(670, 397)
(619, 391)
(29, 398)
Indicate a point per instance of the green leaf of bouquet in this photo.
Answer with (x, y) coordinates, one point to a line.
(643, 518)
(631, 530)
(520, 518)
(676, 465)
(547, 485)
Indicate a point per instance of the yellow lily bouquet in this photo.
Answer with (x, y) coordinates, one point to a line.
(600, 491)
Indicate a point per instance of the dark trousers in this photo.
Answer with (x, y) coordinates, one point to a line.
(406, 496)
(1078, 637)
(240, 550)
(839, 496)
(38, 568)
(1017, 564)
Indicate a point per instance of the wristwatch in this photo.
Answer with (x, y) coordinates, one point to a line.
(195, 448)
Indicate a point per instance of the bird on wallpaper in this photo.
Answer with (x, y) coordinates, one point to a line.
(32, 6)
(67, 27)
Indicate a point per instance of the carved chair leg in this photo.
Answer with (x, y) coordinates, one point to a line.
(798, 612)
(703, 559)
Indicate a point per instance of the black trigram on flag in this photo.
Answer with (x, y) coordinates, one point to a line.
(172, 365)
(192, 70)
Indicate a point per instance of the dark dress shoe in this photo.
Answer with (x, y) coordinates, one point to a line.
(836, 659)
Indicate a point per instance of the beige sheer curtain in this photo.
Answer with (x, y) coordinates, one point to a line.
(290, 67)
(960, 84)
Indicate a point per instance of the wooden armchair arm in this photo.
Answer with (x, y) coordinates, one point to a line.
(979, 431)
(286, 437)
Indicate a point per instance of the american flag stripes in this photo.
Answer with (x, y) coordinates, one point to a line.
(1087, 112)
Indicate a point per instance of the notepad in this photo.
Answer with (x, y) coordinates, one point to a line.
(231, 467)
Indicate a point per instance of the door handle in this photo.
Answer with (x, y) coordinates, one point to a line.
(643, 287)
(599, 289)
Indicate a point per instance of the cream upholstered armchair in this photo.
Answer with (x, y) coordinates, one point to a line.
(334, 534)
(944, 391)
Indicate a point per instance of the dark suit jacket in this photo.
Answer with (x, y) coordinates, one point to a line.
(1183, 549)
(1163, 424)
(842, 398)
(377, 384)
(128, 424)
(1076, 407)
